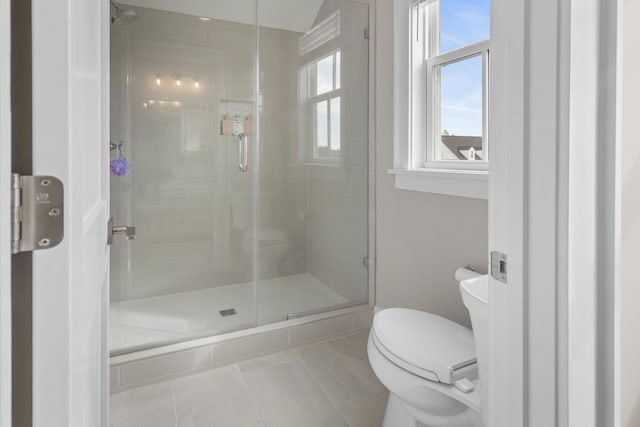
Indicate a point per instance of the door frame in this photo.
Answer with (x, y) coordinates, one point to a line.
(5, 220)
(592, 210)
(70, 104)
(552, 325)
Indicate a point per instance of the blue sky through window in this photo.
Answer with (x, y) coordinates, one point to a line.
(461, 97)
(462, 22)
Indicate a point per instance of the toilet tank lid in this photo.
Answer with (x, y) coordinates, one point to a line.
(425, 344)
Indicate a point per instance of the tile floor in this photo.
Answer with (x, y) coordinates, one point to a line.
(173, 317)
(327, 384)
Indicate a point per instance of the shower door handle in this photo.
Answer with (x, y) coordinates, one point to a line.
(243, 156)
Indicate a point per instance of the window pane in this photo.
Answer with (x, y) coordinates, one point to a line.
(338, 70)
(461, 110)
(324, 75)
(335, 124)
(322, 139)
(463, 22)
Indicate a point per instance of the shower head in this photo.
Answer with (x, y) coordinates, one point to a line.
(123, 16)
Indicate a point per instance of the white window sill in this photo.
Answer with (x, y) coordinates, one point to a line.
(462, 183)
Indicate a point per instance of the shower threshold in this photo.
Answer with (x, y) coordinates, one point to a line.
(156, 321)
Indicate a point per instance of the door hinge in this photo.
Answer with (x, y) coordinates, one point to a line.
(366, 34)
(365, 262)
(37, 220)
(499, 266)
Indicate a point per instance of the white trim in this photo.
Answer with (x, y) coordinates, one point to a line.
(620, 267)
(582, 281)
(402, 77)
(5, 232)
(70, 140)
(592, 214)
(462, 183)
(542, 132)
(507, 183)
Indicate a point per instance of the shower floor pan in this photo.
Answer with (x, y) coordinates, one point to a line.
(168, 318)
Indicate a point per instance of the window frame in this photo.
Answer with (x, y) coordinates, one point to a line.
(434, 106)
(324, 154)
(414, 165)
(434, 62)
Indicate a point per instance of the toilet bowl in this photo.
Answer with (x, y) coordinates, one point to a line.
(430, 365)
(273, 245)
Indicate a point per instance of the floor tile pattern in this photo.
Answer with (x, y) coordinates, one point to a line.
(327, 384)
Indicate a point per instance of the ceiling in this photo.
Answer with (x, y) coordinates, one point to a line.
(291, 15)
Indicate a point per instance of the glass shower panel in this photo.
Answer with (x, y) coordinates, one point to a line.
(311, 240)
(182, 104)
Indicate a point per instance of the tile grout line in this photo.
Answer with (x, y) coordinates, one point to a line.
(352, 347)
(233, 402)
(175, 404)
(252, 398)
(322, 388)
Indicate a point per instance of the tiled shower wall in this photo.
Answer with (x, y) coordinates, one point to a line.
(184, 175)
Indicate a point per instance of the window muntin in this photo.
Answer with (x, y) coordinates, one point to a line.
(452, 119)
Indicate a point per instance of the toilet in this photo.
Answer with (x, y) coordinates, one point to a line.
(273, 243)
(431, 365)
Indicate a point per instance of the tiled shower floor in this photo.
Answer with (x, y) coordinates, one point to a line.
(168, 318)
(328, 384)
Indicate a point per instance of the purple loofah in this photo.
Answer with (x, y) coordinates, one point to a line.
(119, 166)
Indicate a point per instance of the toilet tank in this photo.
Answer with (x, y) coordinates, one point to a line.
(475, 295)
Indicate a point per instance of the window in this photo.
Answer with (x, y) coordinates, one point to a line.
(441, 96)
(321, 92)
(325, 106)
(450, 55)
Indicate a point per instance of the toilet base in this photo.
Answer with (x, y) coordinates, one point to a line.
(398, 414)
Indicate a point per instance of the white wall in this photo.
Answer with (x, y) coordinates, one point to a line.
(629, 296)
(421, 238)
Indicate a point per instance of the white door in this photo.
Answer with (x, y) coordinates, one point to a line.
(5, 180)
(70, 281)
(505, 384)
(528, 136)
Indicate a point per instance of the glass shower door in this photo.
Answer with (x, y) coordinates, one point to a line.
(311, 241)
(182, 131)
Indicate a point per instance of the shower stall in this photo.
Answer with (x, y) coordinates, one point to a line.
(240, 146)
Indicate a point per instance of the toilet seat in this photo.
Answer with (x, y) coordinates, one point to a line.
(426, 345)
(419, 392)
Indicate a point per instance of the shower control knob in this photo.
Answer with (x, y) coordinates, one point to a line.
(128, 231)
